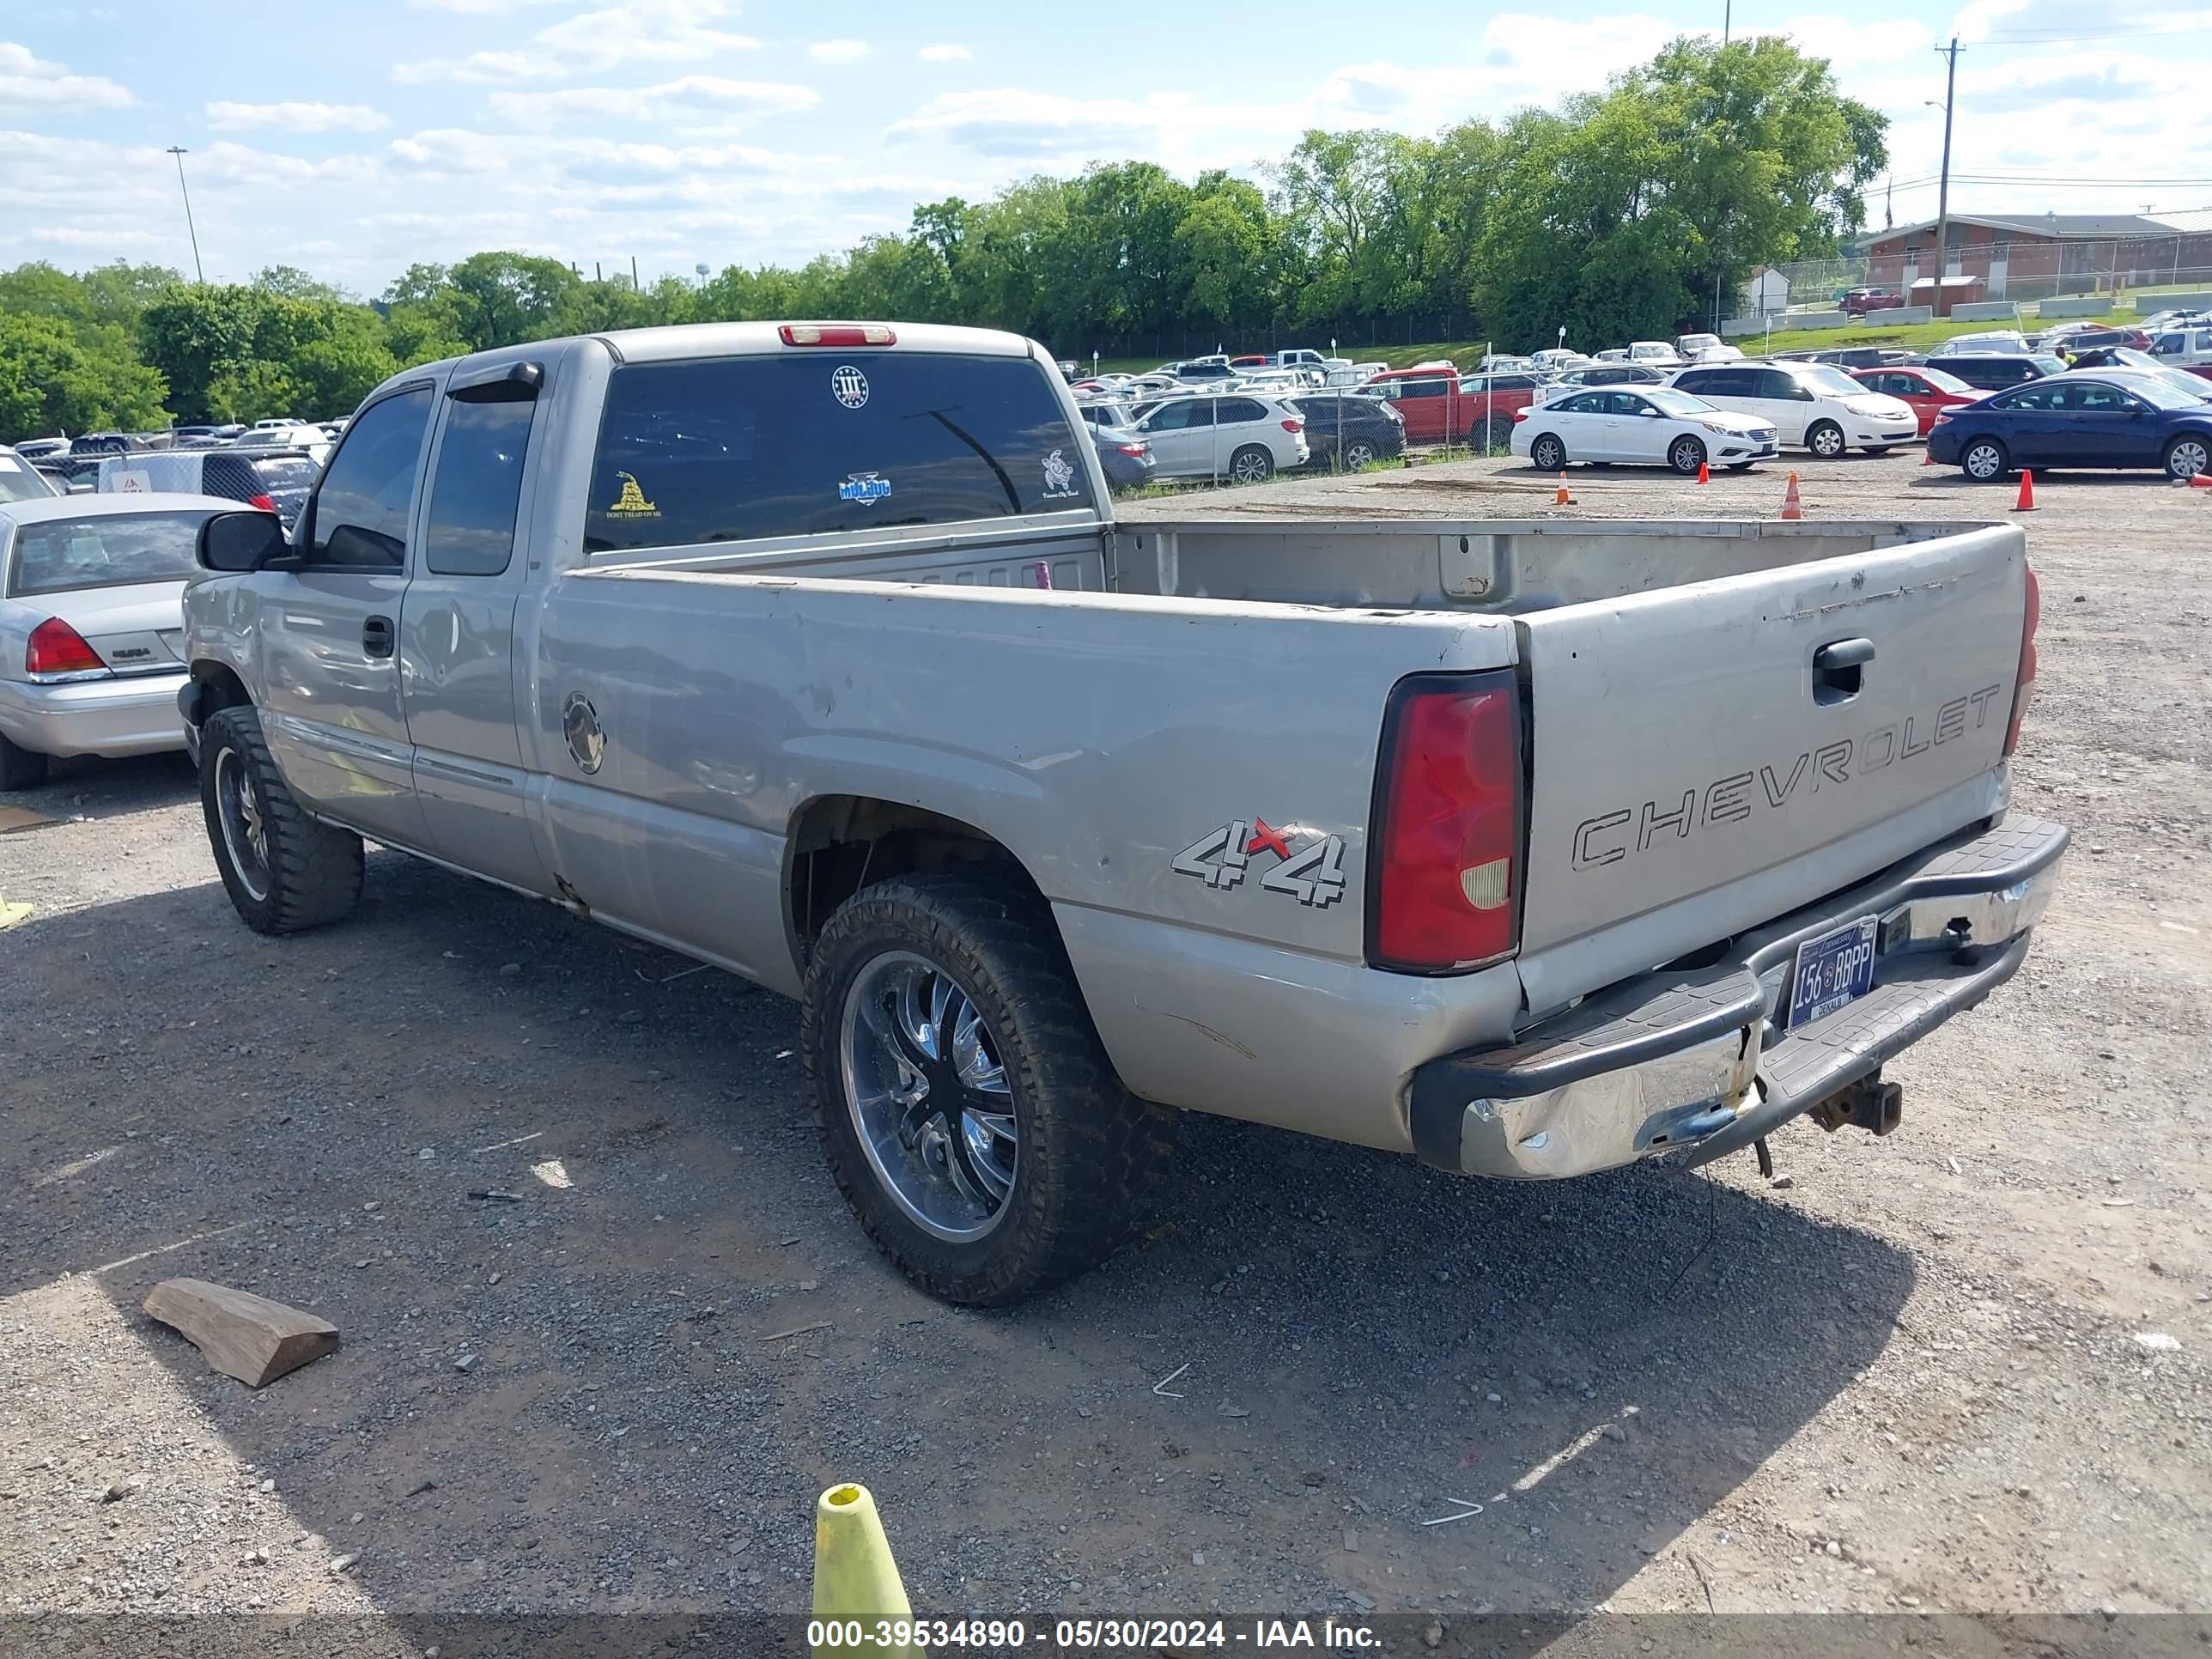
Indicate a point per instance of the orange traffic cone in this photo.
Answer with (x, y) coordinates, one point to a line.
(1562, 499)
(2201, 480)
(1704, 473)
(1791, 507)
(1927, 459)
(2027, 502)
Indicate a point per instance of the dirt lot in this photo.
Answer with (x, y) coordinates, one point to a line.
(1921, 1375)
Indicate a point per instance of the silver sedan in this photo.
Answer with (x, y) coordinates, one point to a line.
(92, 625)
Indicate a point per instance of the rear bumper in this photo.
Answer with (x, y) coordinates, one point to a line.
(132, 715)
(1699, 1062)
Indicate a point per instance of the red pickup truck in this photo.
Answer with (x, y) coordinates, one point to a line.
(1860, 300)
(1440, 406)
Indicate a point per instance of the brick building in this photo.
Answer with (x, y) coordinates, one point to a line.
(2035, 255)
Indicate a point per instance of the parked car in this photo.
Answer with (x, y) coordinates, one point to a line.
(1815, 405)
(1659, 353)
(1857, 301)
(39, 449)
(1717, 354)
(1687, 346)
(1996, 370)
(1981, 344)
(2175, 317)
(276, 481)
(2095, 338)
(2188, 346)
(1927, 392)
(1240, 437)
(1124, 456)
(1344, 433)
(91, 626)
(1371, 836)
(1202, 368)
(1647, 425)
(1612, 354)
(1428, 399)
(21, 481)
(1848, 358)
(1297, 357)
(1557, 359)
(308, 440)
(1612, 375)
(2110, 417)
(107, 443)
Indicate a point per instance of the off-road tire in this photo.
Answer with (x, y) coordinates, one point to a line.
(20, 768)
(314, 872)
(1090, 1151)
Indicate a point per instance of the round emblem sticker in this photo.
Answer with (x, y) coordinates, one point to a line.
(850, 386)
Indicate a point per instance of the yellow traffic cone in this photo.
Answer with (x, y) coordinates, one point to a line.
(854, 1576)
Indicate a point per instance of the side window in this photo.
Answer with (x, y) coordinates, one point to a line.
(1590, 403)
(476, 492)
(1707, 384)
(2102, 399)
(359, 516)
(1172, 416)
(2036, 397)
(1237, 411)
(1629, 403)
(1201, 412)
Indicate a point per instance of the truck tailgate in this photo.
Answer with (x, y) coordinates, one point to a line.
(1709, 755)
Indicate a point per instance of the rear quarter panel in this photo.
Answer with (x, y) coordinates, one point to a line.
(1097, 737)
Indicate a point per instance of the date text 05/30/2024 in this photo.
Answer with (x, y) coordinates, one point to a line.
(1087, 1635)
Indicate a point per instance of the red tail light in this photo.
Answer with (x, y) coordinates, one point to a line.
(1519, 415)
(57, 648)
(836, 334)
(1294, 426)
(2024, 682)
(265, 501)
(1135, 452)
(1444, 891)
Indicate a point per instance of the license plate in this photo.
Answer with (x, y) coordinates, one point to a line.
(1832, 971)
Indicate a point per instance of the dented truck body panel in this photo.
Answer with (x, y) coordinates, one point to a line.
(1175, 727)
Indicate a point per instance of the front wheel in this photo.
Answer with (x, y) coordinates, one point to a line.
(1825, 440)
(20, 768)
(1250, 466)
(1984, 460)
(1358, 455)
(1685, 455)
(968, 1111)
(284, 869)
(1547, 454)
(2188, 457)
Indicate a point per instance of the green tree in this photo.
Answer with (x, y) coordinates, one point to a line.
(51, 382)
(503, 299)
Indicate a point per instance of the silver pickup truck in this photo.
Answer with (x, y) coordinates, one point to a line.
(814, 652)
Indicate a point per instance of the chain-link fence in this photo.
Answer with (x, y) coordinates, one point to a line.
(2019, 269)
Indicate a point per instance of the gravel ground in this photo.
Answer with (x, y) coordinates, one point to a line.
(1964, 1368)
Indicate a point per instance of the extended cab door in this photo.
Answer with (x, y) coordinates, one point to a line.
(330, 704)
(457, 635)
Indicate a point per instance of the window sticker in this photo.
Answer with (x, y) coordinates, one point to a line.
(631, 503)
(849, 386)
(865, 488)
(1059, 477)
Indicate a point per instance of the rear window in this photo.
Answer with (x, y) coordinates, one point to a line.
(806, 444)
(105, 551)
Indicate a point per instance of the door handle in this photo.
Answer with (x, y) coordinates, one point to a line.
(1837, 668)
(376, 635)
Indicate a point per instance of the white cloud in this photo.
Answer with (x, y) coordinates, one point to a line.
(688, 98)
(637, 31)
(28, 82)
(295, 118)
(946, 52)
(839, 51)
(104, 238)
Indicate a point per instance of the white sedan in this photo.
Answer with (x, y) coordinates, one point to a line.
(1645, 425)
(92, 622)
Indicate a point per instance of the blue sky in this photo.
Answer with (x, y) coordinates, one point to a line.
(352, 139)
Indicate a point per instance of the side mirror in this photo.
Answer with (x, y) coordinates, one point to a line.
(238, 542)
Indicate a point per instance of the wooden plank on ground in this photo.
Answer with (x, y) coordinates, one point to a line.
(243, 1336)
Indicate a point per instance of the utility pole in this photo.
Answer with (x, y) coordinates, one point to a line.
(181, 152)
(1728, 8)
(1943, 185)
